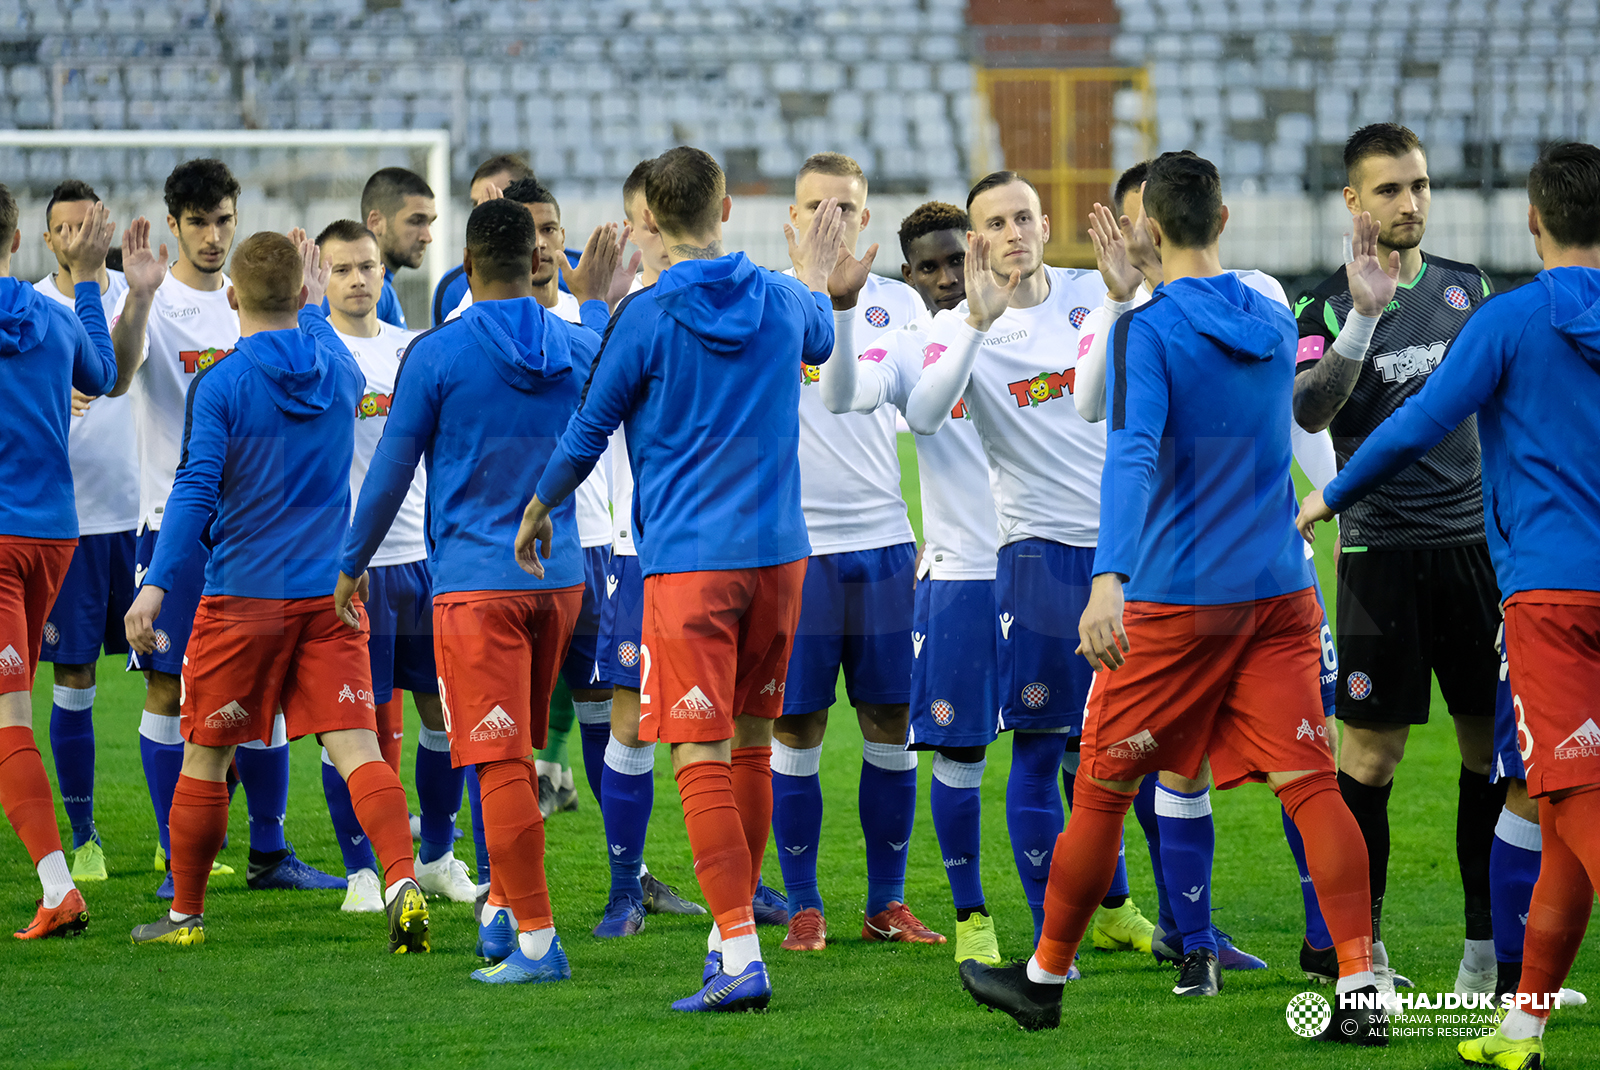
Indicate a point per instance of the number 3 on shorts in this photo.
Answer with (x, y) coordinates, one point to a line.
(1524, 737)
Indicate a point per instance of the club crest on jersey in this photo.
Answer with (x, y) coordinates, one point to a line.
(52, 634)
(1077, 316)
(1042, 387)
(163, 642)
(943, 713)
(878, 316)
(373, 405)
(1035, 695)
(809, 373)
(198, 360)
(1359, 685)
(627, 654)
(1456, 298)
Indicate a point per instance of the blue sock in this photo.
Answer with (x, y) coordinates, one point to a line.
(72, 745)
(1317, 934)
(887, 800)
(627, 794)
(1514, 859)
(1119, 879)
(595, 738)
(1034, 814)
(957, 812)
(264, 775)
(797, 821)
(1188, 840)
(161, 750)
(480, 839)
(353, 843)
(438, 794)
(1144, 808)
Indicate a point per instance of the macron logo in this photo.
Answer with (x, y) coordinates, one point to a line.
(1006, 620)
(228, 716)
(496, 724)
(611, 586)
(917, 639)
(694, 706)
(11, 662)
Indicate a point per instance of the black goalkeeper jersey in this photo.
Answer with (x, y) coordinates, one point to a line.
(1438, 501)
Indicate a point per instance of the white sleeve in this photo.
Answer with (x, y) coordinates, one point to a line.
(945, 372)
(1314, 451)
(849, 383)
(1089, 385)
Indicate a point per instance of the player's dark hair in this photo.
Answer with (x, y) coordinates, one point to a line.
(1565, 187)
(69, 192)
(199, 186)
(8, 215)
(635, 180)
(514, 164)
(836, 164)
(267, 273)
(1129, 180)
(996, 179)
(1183, 194)
(930, 218)
(1378, 139)
(500, 240)
(386, 191)
(344, 230)
(684, 190)
(528, 191)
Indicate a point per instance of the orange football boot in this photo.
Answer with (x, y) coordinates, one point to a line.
(896, 923)
(68, 919)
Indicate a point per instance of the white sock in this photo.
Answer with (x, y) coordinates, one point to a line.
(74, 698)
(490, 910)
(593, 712)
(428, 739)
(630, 761)
(795, 761)
(394, 889)
(536, 944)
(738, 952)
(1478, 955)
(566, 779)
(549, 769)
(173, 915)
(891, 756)
(55, 877)
(1520, 1025)
(1355, 982)
(159, 729)
(1041, 976)
(714, 939)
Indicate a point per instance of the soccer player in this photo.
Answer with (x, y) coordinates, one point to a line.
(98, 587)
(398, 207)
(172, 325)
(1044, 462)
(953, 690)
(1417, 592)
(266, 475)
(1215, 652)
(492, 176)
(855, 614)
(400, 602)
(1527, 367)
(482, 399)
(700, 368)
(45, 353)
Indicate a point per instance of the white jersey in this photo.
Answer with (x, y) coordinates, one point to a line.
(958, 522)
(188, 330)
(621, 496)
(850, 463)
(379, 358)
(594, 511)
(101, 444)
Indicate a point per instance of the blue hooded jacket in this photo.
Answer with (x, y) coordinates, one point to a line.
(1528, 363)
(703, 368)
(44, 351)
(1196, 502)
(264, 478)
(481, 400)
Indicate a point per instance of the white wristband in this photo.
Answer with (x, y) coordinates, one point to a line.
(1117, 308)
(1355, 336)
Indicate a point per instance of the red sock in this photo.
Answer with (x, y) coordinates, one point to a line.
(1336, 855)
(1085, 860)
(752, 793)
(391, 726)
(198, 822)
(717, 840)
(380, 805)
(1562, 898)
(25, 793)
(515, 831)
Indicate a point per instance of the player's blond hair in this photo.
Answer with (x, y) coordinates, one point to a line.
(831, 163)
(267, 274)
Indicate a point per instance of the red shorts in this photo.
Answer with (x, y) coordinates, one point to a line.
(1238, 682)
(250, 657)
(1553, 644)
(715, 646)
(31, 571)
(498, 654)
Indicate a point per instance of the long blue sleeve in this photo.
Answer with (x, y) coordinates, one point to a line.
(1137, 381)
(94, 367)
(198, 485)
(413, 418)
(595, 315)
(610, 397)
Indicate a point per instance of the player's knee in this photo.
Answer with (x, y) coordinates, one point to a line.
(884, 723)
(351, 748)
(1475, 738)
(964, 755)
(77, 677)
(801, 731)
(1178, 782)
(162, 694)
(751, 731)
(429, 710)
(1370, 753)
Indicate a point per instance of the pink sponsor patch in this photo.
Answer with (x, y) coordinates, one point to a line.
(932, 353)
(1083, 345)
(874, 355)
(1310, 348)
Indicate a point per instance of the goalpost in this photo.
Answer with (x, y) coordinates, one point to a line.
(284, 173)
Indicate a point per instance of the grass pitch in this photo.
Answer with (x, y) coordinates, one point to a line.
(287, 980)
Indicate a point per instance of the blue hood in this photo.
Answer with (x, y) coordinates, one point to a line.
(719, 301)
(1213, 306)
(295, 368)
(525, 354)
(24, 317)
(1575, 307)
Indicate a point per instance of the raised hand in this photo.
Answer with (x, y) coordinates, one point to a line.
(591, 280)
(143, 270)
(314, 272)
(1372, 282)
(987, 297)
(491, 192)
(87, 245)
(1111, 255)
(850, 275)
(627, 269)
(815, 254)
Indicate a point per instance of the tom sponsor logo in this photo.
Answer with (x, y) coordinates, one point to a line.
(198, 360)
(1410, 362)
(1046, 386)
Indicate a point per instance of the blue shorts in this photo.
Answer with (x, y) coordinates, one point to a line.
(1040, 590)
(1328, 671)
(176, 618)
(953, 687)
(1507, 755)
(94, 598)
(621, 623)
(400, 607)
(581, 670)
(855, 614)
